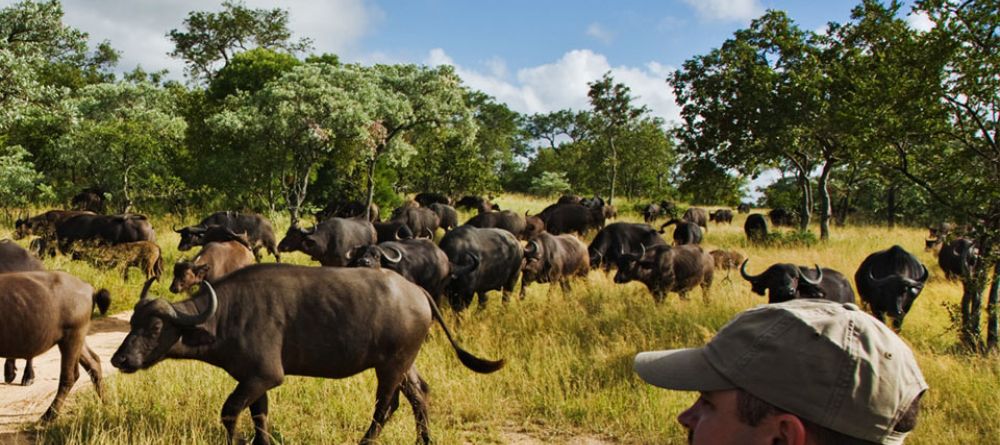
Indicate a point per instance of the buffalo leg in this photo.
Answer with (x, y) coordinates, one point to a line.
(482, 299)
(386, 401)
(415, 389)
(9, 370)
(70, 349)
(245, 393)
(92, 364)
(258, 412)
(29, 373)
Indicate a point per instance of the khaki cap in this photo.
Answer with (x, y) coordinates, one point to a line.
(824, 361)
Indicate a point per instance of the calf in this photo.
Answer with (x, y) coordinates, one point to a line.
(554, 259)
(43, 309)
(726, 259)
(268, 321)
(13, 258)
(216, 260)
(144, 255)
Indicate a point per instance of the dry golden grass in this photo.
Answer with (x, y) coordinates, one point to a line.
(569, 369)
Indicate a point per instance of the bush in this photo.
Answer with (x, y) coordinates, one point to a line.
(550, 183)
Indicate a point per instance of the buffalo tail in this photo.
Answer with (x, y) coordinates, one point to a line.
(470, 361)
(102, 299)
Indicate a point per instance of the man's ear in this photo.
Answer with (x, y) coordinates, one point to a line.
(787, 429)
(196, 336)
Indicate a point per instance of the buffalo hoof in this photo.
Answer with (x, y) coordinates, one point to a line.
(9, 371)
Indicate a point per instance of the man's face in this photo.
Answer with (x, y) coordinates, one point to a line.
(713, 420)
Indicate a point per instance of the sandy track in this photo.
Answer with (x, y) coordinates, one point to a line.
(22, 405)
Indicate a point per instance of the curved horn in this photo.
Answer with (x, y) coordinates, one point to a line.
(145, 287)
(349, 254)
(877, 282)
(643, 253)
(534, 247)
(399, 255)
(199, 318)
(430, 234)
(925, 275)
(819, 276)
(672, 221)
(397, 235)
(745, 275)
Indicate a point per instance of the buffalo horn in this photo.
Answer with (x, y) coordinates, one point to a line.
(399, 255)
(145, 288)
(743, 272)
(398, 230)
(877, 282)
(430, 235)
(819, 276)
(925, 275)
(534, 247)
(643, 253)
(199, 318)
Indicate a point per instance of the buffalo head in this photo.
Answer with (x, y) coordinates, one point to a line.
(533, 225)
(157, 325)
(190, 236)
(639, 267)
(782, 282)
(533, 258)
(293, 239)
(372, 256)
(900, 290)
(188, 274)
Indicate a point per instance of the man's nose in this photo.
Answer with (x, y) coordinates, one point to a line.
(689, 417)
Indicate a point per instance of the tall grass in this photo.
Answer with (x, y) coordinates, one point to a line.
(569, 363)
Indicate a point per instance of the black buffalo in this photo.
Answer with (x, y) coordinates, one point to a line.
(417, 260)
(569, 199)
(620, 238)
(268, 321)
(668, 269)
(106, 229)
(330, 242)
(572, 218)
(782, 217)
(954, 254)
(686, 232)
(426, 199)
(89, 199)
(13, 258)
(392, 231)
(512, 222)
(743, 208)
(697, 215)
(889, 281)
(494, 257)
(258, 231)
(421, 221)
(478, 203)
(755, 228)
(783, 282)
(721, 216)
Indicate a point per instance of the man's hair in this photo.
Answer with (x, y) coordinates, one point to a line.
(751, 410)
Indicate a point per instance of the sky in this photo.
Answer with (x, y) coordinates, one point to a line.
(536, 56)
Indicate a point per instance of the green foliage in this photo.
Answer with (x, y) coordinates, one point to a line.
(249, 71)
(17, 176)
(210, 40)
(705, 182)
(550, 184)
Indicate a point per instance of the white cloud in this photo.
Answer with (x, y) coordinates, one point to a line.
(920, 21)
(138, 28)
(598, 32)
(727, 10)
(563, 83)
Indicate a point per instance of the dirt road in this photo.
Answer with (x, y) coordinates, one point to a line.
(20, 405)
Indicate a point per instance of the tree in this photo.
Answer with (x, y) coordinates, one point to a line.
(211, 39)
(123, 136)
(249, 71)
(614, 114)
(17, 176)
(705, 182)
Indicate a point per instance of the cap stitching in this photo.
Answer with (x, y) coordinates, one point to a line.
(844, 377)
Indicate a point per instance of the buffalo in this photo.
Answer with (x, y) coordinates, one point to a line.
(651, 211)
(44, 226)
(267, 321)
(569, 199)
(620, 238)
(348, 209)
(783, 282)
(484, 260)
(890, 281)
(392, 231)
(330, 242)
(425, 199)
(420, 220)
(721, 216)
(686, 232)
(104, 229)
(143, 255)
(89, 199)
(417, 260)
(782, 217)
(258, 231)
(42, 309)
(726, 259)
(478, 203)
(668, 269)
(743, 208)
(954, 254)
(572, 218)
(755, 228)
(512, 222)
(554, 259)
(215, 260)
(697, 215)
(447, 215)
(13, 258)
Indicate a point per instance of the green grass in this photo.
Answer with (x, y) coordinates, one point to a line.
(568, 367)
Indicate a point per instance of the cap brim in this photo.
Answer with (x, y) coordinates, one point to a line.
(680, 369)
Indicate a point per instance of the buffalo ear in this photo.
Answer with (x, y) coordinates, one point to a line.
(196, 336)
(201, 271)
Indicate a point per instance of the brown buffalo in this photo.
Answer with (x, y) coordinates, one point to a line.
(43, 309)
(13, 258)
(144, 255)
(554, 259)
(216, 260)
(668, 269)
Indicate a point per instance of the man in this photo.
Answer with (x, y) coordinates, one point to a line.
(803, 372)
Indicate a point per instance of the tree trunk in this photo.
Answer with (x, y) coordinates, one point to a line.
(614, 170)
(992, 323)
(126, 196)
(890, 206)
(824, 200)
(804, 212)
(972, 307)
